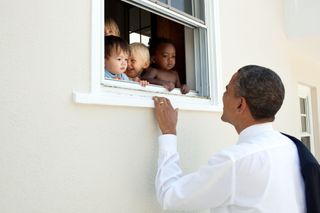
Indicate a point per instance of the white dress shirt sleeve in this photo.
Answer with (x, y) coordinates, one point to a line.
(209, 187)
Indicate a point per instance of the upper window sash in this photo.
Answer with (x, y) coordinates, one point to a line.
(168, 12)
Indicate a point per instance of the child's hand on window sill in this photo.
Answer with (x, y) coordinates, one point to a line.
(184, 89)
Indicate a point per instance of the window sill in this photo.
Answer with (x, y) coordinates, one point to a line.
(136, 98)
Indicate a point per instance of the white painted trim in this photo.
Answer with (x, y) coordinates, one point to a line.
(136, 96)
(97, 41)
(305, 92)
(123, 99)
(131, 85)
(214, 53)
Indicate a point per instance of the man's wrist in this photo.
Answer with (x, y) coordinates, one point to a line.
(169, 131)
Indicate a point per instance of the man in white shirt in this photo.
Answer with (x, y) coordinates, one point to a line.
(260, 173)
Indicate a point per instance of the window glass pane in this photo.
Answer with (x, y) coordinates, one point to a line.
(183, 5)
(303, 105)
(194, 8)
(139, 25)
(198, 9)
(145, 19)
(134, 20)
(303, 124)
(190, 55)
(306, 141)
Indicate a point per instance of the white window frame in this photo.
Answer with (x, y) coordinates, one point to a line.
(131, 94)
(305, 93)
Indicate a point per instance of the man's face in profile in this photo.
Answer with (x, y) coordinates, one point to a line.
(230, 101)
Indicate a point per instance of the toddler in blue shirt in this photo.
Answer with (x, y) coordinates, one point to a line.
(116, 58)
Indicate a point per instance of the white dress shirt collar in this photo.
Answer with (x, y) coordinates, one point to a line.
(254, 130)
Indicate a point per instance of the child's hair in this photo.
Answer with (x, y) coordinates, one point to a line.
(112, 25)
(142, 50)
(154, 44)
(115, 43)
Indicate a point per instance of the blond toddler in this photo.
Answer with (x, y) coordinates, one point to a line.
(139, 60)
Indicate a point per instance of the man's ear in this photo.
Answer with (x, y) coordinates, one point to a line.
(242, 105)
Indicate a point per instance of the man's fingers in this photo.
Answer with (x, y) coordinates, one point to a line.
(156, 101)
(163, 101)
(160, 101)
(155, 98)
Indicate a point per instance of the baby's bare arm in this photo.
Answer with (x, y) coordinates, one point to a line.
(149, 73)
(154, 76)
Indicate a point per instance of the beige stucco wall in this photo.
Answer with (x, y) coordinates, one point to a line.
(59, 156)
(305, 65)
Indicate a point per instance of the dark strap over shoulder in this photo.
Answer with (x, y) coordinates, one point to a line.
(310, 170)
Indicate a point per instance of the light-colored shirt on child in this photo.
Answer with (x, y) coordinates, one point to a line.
(109, 75)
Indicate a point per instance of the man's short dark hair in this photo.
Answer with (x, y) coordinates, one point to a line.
(262, 88)
(115, 43)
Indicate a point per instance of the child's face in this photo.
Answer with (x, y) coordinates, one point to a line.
(165, 57)
(136, 64)
(116, 63)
